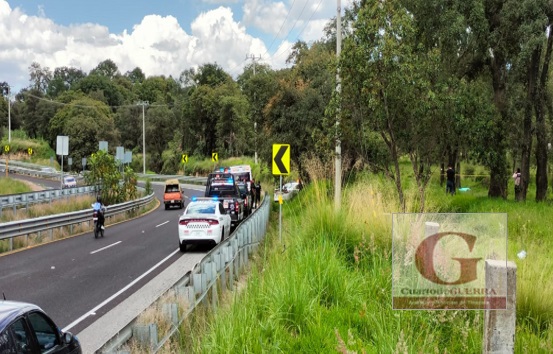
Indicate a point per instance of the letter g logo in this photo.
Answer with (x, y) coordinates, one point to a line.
(424, 259)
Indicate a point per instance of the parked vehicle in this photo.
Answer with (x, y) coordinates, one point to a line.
(242, 173)
(204, 220)
(69, 182)
(25, 328)
(173, 194)
(289, 190)
(225, 189)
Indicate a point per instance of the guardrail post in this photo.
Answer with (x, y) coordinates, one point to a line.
(214, 293)
(145, 334)
(171, 311)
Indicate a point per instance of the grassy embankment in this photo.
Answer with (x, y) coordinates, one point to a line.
(327, 287)
(12, 186)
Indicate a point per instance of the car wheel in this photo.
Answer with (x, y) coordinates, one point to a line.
(223, 234)
(182, 247)
(166, 206)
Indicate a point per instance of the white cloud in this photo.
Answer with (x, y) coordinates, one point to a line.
(220, 2)
(158, 45)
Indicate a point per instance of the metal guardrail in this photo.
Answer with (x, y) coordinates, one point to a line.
(47, 196)
(181, 178)
(223, 263)
(9, 230)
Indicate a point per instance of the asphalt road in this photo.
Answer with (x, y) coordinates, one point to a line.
(77, 280)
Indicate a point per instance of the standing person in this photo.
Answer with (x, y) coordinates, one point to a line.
(252, 192)
(257, 188)
(516, 177)
(450, 183)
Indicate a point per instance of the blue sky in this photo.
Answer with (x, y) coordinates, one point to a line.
(162, 37)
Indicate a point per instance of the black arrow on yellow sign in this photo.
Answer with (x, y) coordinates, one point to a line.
(281, 159)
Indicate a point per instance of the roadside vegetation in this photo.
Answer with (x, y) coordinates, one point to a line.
(12, 186)
(327, 286)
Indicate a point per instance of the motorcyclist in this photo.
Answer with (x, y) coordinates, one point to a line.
(101, 209)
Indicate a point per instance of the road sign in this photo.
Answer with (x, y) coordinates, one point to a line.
(70, 161)
(120, 153)
(214, 157)
(184, 158)
(6, 148)
(281, 159)
(83, 162)
(30, 151)
(103, 146)
(62, 145)
(128, 157)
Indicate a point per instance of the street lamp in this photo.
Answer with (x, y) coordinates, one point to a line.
(143, 104)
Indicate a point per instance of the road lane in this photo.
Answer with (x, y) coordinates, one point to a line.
(67, 279)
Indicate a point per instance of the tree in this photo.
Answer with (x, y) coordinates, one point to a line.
(40, 77)
(101, 88)
(136, 75)
(64, 79)
(107, 68)
(396, 79)
(160, 129)
(86, 122)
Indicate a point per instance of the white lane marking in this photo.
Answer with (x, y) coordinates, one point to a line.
(162, 223)
(103, 248)
(106, 301)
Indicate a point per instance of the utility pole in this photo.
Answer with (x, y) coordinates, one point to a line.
(338, 157)
(254, 58)
(9, 113)
(143, 104)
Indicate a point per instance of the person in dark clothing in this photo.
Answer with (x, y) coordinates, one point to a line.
(516, 177)
(450, 183)
(257, 188)
(252, 192)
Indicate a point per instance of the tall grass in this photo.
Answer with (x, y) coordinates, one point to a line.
(327, 286)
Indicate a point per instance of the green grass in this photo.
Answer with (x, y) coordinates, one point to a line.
(327, 287)
(12, 186)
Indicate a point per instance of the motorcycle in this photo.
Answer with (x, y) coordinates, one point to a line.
(98, 231)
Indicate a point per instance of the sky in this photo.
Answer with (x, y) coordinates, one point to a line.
(162, 37)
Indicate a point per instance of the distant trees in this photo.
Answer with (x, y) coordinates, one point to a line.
(431, 83)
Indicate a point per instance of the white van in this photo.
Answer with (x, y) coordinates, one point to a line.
(242, 173)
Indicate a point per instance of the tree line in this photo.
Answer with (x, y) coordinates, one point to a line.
(431, 81)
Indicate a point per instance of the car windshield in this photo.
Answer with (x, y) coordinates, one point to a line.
(201, 208)
(69, 179)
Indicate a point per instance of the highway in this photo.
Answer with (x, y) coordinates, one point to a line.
(78, 279)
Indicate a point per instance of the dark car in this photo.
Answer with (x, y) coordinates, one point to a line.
(245, 194)
(25, 328)
(225, 189)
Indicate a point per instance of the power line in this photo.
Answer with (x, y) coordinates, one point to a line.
(302, 30)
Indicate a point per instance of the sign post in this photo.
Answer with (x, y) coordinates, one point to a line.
(214, 158)
(281, 166)
(62, 148)
(184, 161)
(7, 152)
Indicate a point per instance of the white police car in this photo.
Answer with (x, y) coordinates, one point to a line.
(204, 220)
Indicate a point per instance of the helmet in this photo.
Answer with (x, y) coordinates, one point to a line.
(99, 199)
